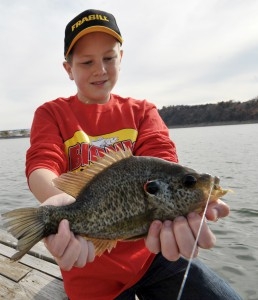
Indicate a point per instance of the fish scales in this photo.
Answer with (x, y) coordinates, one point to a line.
(116, 199)
(113, 199)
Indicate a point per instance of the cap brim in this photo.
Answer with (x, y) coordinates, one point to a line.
(94, 29)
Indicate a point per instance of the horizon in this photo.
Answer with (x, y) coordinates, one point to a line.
(203, 104)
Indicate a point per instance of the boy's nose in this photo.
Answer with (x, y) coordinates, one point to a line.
(99, 69)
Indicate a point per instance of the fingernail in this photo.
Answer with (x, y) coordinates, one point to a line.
(167, 223)
(215, 214)
(156, 224)
(179, 219)
(192, 215)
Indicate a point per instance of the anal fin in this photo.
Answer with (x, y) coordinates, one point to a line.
(102, 245)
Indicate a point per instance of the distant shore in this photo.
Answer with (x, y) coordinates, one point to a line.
(211, 114)
(16, 134)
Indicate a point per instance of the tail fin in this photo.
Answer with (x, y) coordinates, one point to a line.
(25, 225)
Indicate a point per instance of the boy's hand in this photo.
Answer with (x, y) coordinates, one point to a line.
(177, 238)
(68, 250)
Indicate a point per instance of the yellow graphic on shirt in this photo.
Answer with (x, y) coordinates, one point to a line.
(82, 149)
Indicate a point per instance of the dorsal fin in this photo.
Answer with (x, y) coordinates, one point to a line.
(73, 182)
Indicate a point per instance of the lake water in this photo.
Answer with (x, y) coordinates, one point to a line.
(230, 152)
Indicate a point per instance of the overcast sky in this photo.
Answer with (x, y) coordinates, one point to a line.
(175, 52)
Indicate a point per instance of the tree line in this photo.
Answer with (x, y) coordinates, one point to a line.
(4, 134)
(228, 112)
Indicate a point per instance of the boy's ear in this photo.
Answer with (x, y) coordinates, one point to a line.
(68, 69)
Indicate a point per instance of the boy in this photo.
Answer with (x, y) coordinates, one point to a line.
(68, 133)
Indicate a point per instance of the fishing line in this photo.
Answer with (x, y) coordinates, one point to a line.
(195, 245)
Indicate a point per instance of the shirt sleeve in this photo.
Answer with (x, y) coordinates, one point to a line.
(153, 136)
(47, 146)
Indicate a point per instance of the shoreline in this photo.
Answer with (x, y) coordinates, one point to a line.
(206, 124)
(13, 137)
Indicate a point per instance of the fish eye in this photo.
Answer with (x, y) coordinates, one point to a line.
(189, 181)
(152, 187)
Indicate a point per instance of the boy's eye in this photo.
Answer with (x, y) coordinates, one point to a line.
(109, 58)
(105, 59)
(87, 62)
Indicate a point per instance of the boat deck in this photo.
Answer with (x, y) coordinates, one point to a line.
(35, 276)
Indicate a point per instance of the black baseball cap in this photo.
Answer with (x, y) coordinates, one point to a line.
(90, 20)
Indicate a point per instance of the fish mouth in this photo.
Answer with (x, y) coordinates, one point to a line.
(216, 185)
(217, 190)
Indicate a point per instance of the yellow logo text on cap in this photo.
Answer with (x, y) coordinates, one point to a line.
(89, 18)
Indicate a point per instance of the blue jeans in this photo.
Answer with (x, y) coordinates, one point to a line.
(163, 280)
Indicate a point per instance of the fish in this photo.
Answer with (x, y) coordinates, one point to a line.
(116, 199)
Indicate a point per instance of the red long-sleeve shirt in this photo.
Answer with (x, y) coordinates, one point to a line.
(66, 135)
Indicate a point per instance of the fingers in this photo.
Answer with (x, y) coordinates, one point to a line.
(59, 200)
(69, 250)
(70, 255)
(169, 244)
(206, 238)
(171, 238)
(185, 237)
(87, 253)
(57, 243)
(152, 241)
(217, 209)
(177, 238)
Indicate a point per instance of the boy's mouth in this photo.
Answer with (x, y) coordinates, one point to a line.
(101, 82)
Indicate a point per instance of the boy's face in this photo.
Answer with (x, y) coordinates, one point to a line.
(95, 66)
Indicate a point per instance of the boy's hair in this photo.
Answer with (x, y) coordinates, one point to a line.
(69, 57)
(90, 20)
